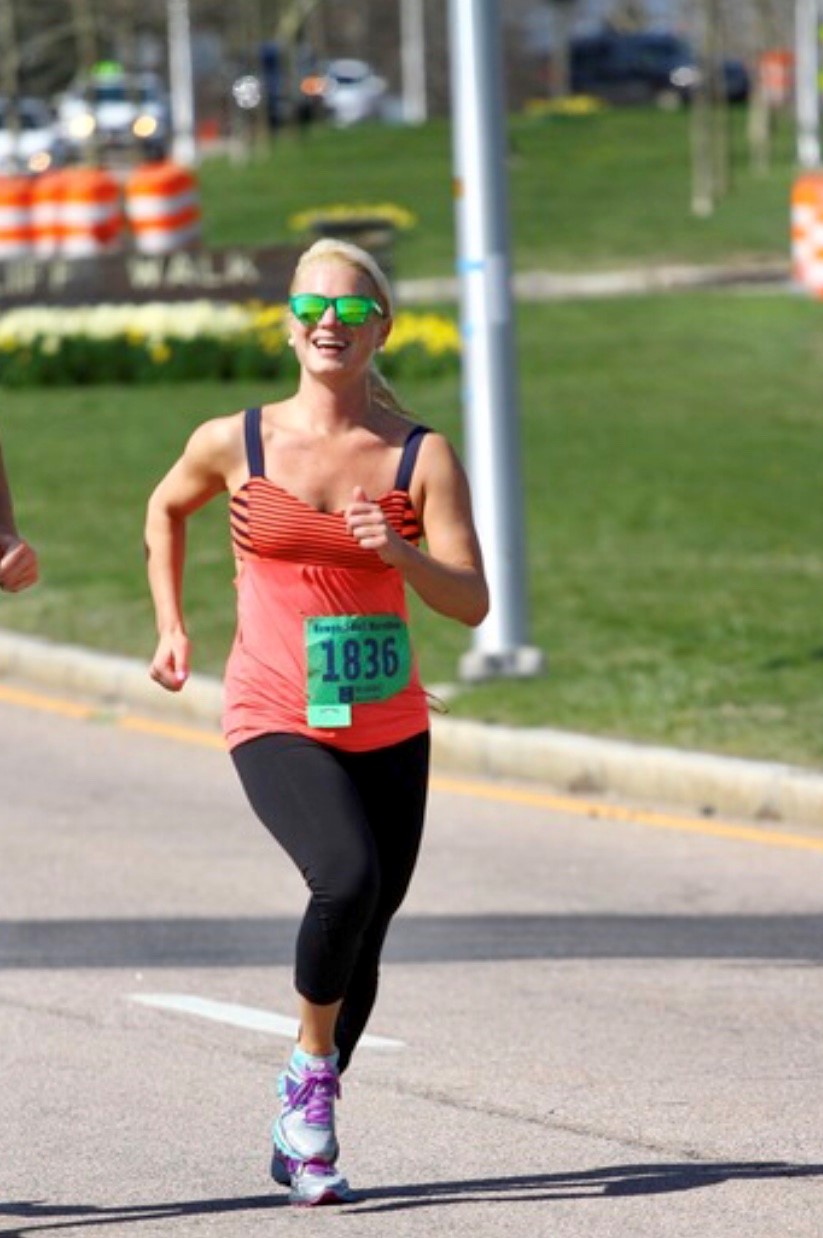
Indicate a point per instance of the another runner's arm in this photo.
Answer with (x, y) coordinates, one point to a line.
(18, 561)
(192, 481)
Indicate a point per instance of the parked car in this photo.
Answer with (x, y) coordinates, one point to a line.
(646, 67)
(116, 112)
(351, 91)
(36, 146)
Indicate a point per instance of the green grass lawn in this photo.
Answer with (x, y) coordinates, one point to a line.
(597, 192)
(672, 498)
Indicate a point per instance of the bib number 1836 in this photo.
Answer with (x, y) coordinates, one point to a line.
(354, 659)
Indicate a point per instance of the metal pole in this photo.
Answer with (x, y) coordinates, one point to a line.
(9, 78)
(413, 60)
(489, 385)
(181, 82)
(807, 89)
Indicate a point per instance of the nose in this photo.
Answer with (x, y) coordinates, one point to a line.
(330, 309)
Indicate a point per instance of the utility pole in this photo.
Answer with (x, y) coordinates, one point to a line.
(9, 76)
(181, 82)
(491, 412)
(413, 60)
(807, 87)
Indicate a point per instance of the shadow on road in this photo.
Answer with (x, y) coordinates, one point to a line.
(260, 941)
(613, 1181)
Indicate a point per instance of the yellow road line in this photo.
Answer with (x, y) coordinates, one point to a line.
(183, 734)
(45, 704)
(502, 794)
(637, 816)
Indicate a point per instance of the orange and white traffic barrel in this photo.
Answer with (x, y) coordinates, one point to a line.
(16, 238)
(806, 217)
(162, 207)
(90, 213)
(46, 196)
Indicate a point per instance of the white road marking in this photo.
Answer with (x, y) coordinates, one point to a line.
(243, 1016)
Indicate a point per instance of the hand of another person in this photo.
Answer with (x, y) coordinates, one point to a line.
(170, 664)
(18, 564)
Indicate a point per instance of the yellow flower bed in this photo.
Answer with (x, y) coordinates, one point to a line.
(189, 340)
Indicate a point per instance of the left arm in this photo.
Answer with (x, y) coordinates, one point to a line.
(449, 576)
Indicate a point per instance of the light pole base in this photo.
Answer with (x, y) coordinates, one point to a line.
(524, 662)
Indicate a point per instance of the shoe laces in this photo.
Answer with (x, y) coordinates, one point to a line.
(316, 1094)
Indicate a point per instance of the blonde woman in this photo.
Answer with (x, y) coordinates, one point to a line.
(331, 492)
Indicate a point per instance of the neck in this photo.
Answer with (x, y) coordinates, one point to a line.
(327, 407)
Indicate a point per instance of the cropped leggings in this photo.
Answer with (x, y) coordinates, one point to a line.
(352, 823)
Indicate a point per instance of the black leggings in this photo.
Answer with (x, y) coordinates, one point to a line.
(352, 823)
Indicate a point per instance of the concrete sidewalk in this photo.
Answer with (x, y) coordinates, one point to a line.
(699, 783)
(558, 285)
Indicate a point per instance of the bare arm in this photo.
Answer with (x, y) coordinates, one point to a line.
(18, 561)
(197, 477)
(449, 576)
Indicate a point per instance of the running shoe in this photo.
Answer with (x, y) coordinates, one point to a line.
(312, 1182)
(305, 1128)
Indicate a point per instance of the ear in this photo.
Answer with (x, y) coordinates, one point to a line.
(383, 335)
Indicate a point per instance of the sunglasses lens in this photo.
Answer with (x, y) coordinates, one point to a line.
(353, 311)
(308, 307)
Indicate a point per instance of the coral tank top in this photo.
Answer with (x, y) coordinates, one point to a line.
(320, 647)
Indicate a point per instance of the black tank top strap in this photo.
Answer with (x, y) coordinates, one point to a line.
(254, 442)
(409, 457)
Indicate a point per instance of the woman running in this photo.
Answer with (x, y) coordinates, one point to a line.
(331, 491)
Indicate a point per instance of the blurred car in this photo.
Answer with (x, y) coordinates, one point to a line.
(352, 92)
(645, 67)
(116, 112)
(36, 146)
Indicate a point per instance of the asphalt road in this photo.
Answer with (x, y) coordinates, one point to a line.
(594, 1020)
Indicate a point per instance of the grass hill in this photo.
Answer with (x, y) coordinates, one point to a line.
(671, 442)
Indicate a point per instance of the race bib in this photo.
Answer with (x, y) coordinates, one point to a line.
(353, 660)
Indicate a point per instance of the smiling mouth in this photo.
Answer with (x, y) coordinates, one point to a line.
(330, 345)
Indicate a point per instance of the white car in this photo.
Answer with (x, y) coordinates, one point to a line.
(352, 92)
(116, 112)
(36, 146)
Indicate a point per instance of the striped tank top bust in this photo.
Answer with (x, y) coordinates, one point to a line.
(268, 522)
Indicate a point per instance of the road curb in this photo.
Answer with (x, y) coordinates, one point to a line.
(579, 764)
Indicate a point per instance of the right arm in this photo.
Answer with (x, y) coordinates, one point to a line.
(18, 561)
(199, 475)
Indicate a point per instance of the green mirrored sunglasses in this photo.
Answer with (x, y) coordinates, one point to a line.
(352, 311)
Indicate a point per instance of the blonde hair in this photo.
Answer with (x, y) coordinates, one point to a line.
(333, 249)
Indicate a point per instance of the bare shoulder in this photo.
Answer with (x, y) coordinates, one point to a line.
(438, 459)
(217, 443)
(218, 433)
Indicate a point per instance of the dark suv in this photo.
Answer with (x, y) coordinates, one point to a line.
(644, 68)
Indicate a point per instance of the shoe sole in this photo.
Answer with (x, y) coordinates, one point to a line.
(281, 1174)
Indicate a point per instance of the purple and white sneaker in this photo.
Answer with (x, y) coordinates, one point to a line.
(312, 1182)
(305, 1127)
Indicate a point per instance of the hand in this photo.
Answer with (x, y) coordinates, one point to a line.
(170, 664)
(367, 523)
(18, 564)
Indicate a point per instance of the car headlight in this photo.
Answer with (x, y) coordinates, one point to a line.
(145, 126)
(40, 162)
(82, 126)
